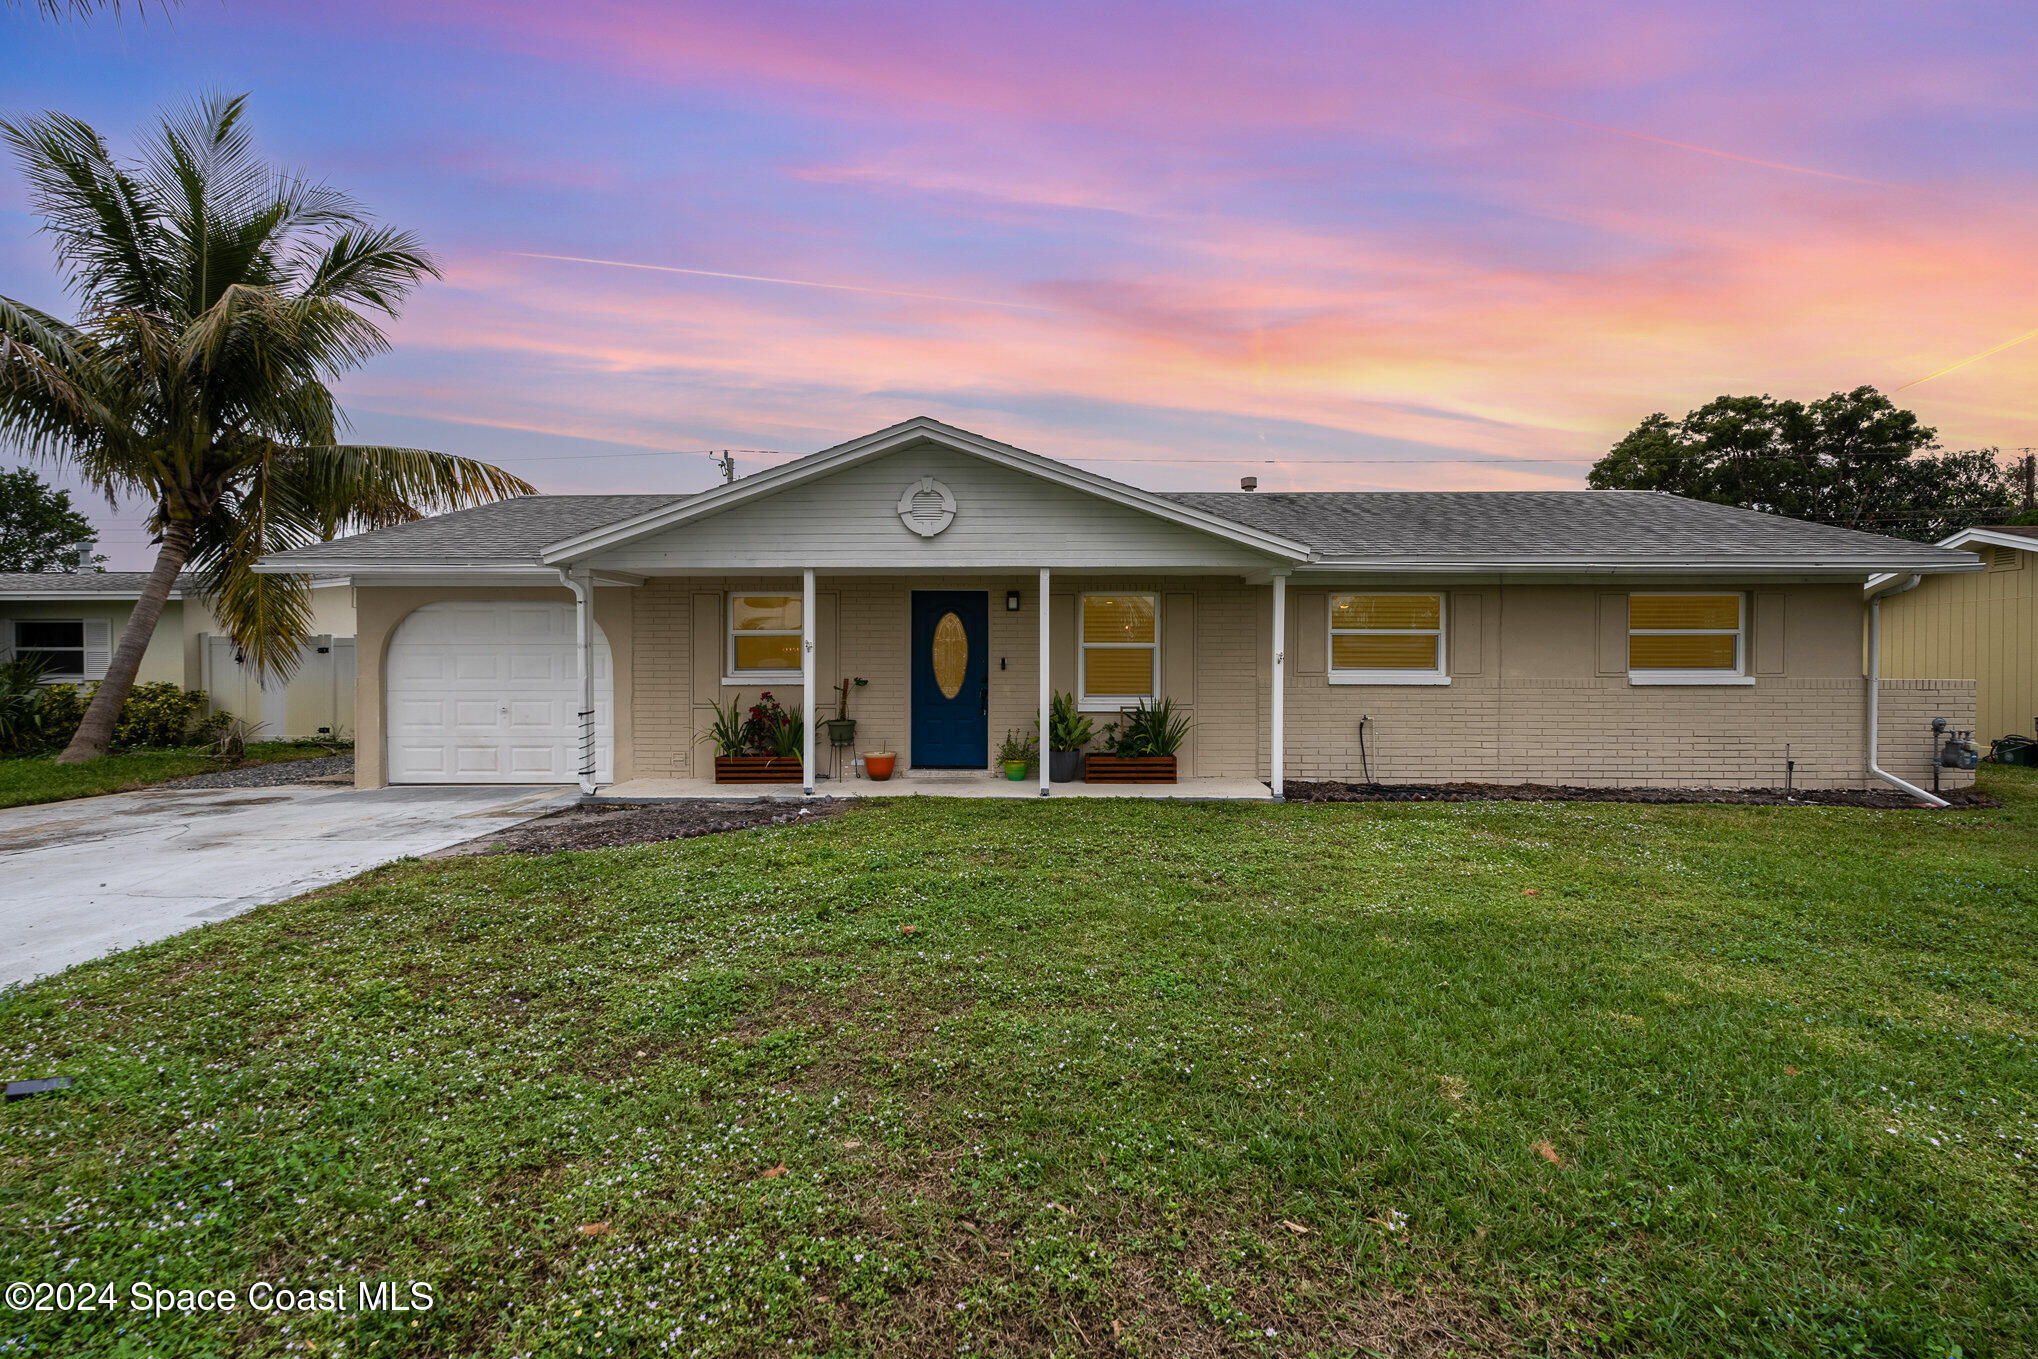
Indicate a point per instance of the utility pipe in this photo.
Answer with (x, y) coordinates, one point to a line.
(1875, 693)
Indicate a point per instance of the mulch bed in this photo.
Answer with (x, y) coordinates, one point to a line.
(1888, 798)
(608, 826)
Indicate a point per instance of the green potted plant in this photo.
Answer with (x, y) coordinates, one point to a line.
(1068, 731)
(762, 745)
(1015, 753)
(1142, 748)
(842, 727)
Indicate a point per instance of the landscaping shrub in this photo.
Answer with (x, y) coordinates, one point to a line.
(159, 714)
(20, 704)
(61, 710)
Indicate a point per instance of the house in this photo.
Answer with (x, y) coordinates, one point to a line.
(1981, 626)
(72, 621)
(1599, 637)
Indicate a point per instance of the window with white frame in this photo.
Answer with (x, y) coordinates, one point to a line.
(1387, 639)
(764, 637)
(1118, 660)
(1687, 638)
(58, 644)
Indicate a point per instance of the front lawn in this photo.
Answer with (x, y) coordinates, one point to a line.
(940, 1076)
(39, 778)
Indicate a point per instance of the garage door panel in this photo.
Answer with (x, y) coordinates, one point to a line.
(481, 693)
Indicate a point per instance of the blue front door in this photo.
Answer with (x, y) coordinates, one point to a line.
(951, 679)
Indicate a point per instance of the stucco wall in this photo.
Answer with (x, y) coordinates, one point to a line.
(1982, 627)
(167, 659)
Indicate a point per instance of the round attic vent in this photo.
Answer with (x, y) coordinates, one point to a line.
(927, 507)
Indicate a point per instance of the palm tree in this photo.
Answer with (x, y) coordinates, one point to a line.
(217, 296)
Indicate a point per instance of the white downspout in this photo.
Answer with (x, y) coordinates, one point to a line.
(1875, 692)
(1046, 692)
(807, 679)
(1280, 699)
(583, 637)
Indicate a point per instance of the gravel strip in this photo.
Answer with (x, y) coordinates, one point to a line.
(269, 775)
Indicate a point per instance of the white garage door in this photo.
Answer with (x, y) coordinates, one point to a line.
(490, 693)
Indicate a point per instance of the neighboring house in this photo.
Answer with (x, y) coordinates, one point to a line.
(1982, 627)
(1603, 637)
(72, 622)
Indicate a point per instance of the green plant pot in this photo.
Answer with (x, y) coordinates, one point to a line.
(1015, 770)
(841, 731)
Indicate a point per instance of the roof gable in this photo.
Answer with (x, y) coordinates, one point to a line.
(918, 432)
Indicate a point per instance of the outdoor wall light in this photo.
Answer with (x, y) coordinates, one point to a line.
(1011, 601)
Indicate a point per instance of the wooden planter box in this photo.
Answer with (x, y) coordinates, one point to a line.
(1129, 769)
(757, 769)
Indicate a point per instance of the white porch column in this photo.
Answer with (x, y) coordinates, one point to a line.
(1046, 689)
(807, 677)
(1280, 704)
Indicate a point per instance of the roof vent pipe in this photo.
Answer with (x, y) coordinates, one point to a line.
(1248, 483)
(1875, 692)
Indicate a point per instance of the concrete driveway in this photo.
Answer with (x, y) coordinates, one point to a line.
(81, 879)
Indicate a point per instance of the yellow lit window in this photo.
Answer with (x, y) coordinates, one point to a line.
(1387, 639)
(764, 636)
(1691, 634)
(1119, 658)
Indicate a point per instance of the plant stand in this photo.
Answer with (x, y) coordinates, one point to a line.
(1129, 769)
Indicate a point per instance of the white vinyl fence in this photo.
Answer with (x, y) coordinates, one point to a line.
(318, 700)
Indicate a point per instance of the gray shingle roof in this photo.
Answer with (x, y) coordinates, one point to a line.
(1530, 527)
(80, 582)
(505, 531)
(1497, 528)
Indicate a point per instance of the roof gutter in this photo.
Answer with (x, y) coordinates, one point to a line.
(1875, 692)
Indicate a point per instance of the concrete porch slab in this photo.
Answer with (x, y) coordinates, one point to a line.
(930, 783)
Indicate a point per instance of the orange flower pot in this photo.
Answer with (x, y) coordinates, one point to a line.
(880, 767)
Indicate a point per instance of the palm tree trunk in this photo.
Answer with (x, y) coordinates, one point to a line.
(95, 733)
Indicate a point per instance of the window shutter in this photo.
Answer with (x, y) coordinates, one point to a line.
(6, 639)
(98, 647)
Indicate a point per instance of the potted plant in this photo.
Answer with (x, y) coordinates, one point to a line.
(762, 745)
(842, 727)
(1068, 731)
(1141, 749)
(1015, 753)
(879, 764)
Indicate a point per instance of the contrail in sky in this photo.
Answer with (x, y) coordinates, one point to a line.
(1972, 358)
(793, 282)
(1689, 146)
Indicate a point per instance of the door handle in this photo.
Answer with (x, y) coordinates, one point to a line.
(984, 698)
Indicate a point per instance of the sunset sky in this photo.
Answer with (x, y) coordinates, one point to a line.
(1343, 245)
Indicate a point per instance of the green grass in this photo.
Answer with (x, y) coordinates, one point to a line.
(26, 779)
(942, 1076)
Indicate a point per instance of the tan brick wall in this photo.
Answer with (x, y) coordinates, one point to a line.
(1906, 748)
(1539, 693)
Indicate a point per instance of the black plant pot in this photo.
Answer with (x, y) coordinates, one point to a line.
(841, 730)
(1064, 766)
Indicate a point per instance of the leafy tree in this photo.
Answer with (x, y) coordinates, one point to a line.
(1853, 458)
(217, 297)
(39, 531)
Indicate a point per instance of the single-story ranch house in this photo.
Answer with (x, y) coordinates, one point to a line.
(1600, 637)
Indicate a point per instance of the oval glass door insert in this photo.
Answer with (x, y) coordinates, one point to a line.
(951, 655)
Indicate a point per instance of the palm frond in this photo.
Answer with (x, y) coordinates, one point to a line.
(49, 397)
(106, 229)
(375, 267)
(348, 475)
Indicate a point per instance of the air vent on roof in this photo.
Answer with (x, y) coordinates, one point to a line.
(1248, 483)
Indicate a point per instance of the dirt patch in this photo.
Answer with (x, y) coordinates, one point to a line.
(609, 826)
(1886, 798)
